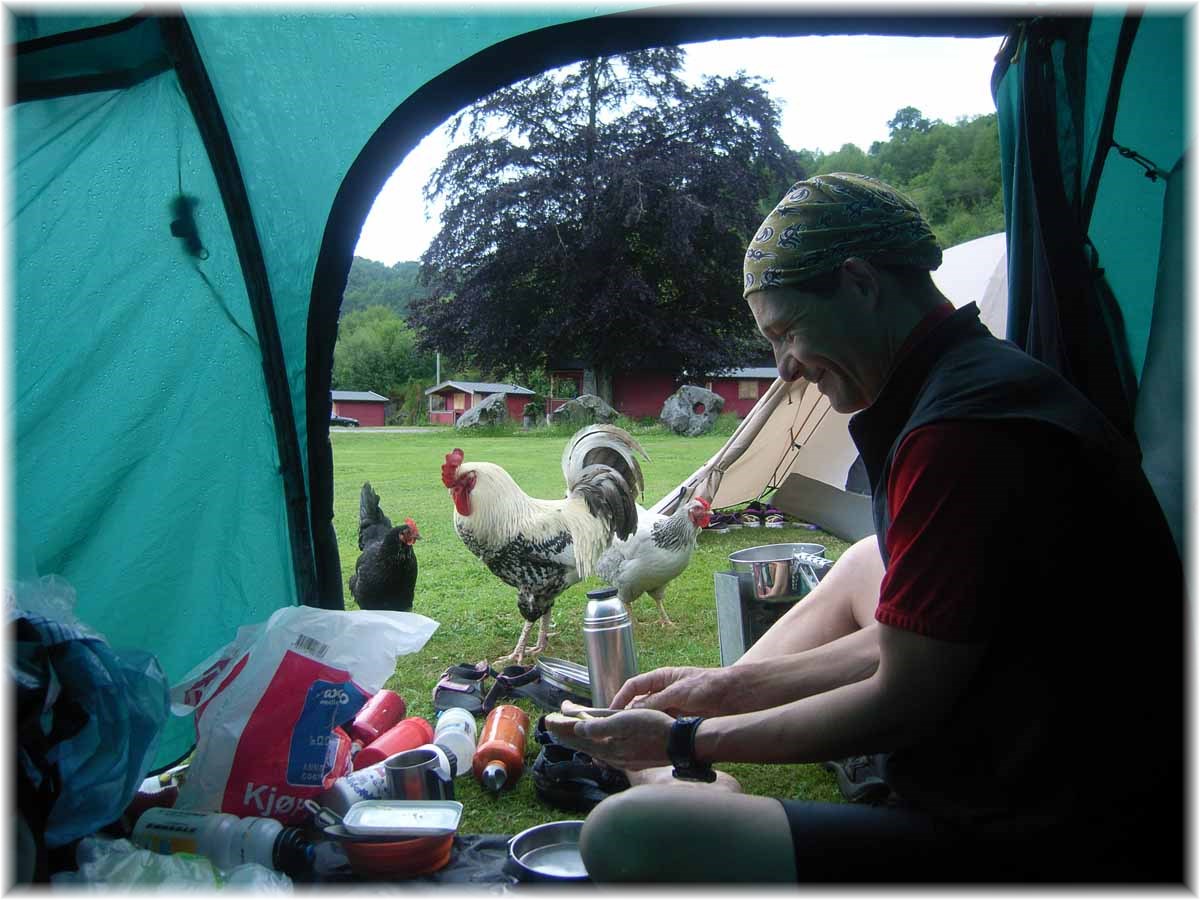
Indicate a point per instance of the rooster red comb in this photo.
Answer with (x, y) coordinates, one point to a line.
(704, 503)
(453, 460)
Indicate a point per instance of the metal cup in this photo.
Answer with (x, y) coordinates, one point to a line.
(417, 775)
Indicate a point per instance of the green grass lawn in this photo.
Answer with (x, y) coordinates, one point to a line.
(478, 613)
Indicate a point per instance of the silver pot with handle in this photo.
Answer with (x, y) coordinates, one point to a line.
(781, 572)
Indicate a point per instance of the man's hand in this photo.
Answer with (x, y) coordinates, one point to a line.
(680, 691)
(629, 739)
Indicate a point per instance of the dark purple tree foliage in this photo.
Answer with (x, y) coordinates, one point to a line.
(601, 212)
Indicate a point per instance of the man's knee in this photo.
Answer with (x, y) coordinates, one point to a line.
(621, 834)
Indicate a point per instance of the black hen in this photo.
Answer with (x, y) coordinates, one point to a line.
(386, 571)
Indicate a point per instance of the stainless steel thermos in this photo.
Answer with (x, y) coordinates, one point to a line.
(608, 637)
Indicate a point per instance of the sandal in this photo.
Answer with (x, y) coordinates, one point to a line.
(527, 681)
(461, 687)
(570, 779)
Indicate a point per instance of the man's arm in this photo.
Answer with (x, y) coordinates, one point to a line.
(915, 686)
(913, 690)
(750, 686)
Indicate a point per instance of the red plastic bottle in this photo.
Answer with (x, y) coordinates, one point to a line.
(377, 715)
(405, 735)
(500, 755)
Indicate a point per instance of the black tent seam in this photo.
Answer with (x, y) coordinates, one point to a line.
(36, 45)
(1104, 139)
(196, 87)
(1063, 242)
(52, 89)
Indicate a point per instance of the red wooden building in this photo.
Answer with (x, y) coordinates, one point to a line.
(741, 388)
(367, 406)
(640, 393)
(450, 399)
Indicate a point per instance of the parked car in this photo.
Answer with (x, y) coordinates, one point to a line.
(345, 421)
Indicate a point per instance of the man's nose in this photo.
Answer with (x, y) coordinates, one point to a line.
(789, 368)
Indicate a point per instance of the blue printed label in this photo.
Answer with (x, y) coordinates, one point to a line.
(327, 705)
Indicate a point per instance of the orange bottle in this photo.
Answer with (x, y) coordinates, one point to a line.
(500, 756)
(406, 734)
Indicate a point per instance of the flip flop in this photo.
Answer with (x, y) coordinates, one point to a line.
(461, 687)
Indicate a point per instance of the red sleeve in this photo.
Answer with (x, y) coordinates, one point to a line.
(948, 493)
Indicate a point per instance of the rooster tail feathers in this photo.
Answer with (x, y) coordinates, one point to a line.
(606, 446)
(609, 498)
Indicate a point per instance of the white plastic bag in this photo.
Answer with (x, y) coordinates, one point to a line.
(105, 864)
(268, 705)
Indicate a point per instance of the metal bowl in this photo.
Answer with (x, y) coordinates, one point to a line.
(781, 572)
(548, 852)
(565, 675)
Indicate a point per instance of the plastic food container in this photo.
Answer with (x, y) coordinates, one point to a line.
(401, 819)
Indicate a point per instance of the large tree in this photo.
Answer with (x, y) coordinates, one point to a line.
(601, 212)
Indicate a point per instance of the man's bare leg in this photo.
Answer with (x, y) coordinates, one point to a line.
(657, 833)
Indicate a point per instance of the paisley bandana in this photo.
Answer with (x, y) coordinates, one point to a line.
(821, 222)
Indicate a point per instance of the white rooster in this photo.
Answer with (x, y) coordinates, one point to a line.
(542, 547)
(655, 555)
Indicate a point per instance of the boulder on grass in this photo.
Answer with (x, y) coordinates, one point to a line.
(583, 410)
(691, 410)
(493, 410)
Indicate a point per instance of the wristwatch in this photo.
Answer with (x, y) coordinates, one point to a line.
(681, 750)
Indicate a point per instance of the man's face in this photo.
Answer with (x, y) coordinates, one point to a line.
(825, 340)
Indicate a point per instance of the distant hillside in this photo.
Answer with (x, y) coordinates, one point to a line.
(372, 283)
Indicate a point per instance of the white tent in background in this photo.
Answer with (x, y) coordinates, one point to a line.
(794, 443)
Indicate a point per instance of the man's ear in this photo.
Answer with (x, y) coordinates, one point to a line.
(859, 275)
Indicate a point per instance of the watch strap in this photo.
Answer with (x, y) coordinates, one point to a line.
(681, 750)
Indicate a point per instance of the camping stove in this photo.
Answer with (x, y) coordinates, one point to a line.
(763, 583)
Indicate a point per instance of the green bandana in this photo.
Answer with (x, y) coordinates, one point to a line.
(821, 222)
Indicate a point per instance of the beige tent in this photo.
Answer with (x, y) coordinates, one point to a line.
(792, 442)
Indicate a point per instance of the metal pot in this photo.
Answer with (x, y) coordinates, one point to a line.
(547, 852)
(779, 572)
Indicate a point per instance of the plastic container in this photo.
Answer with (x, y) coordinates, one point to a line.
(225, 839)
(407, 734)
(500, 757)
(455, 730)
(384, 710)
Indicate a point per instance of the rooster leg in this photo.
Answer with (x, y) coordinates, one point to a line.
(518, 653)
(663, 618)
(543, 635)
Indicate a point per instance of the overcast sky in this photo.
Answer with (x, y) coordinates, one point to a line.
(834, 90)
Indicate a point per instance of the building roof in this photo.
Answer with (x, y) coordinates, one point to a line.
(358, 395)
(480, 387)
(765, 372)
